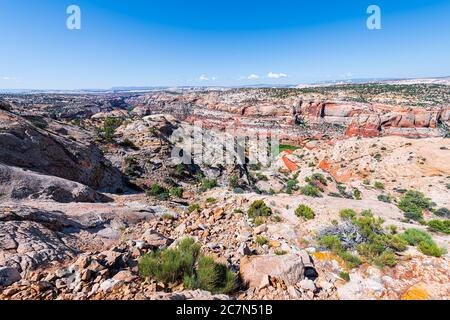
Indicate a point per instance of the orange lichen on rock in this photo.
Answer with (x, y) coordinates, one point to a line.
(416, 292)
(325, 255)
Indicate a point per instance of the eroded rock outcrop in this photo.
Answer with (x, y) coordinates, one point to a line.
(55, 149)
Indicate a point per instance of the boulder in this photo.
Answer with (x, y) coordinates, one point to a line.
(254, 270)
(8, 276)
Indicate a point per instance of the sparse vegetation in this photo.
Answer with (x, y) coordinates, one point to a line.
(442, 226)
(423, 241)
(378, 185)
(365, 235)
(384, 198)
(347, 213)
(259, 209)
(413, 203)
(176, 192)
(158, 191)
(185, 264)
(107, 130)
(261, 240)
(194, 207)
(208, 184)
(305, 212)
(310, 191)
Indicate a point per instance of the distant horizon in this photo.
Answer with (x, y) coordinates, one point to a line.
(258, 85)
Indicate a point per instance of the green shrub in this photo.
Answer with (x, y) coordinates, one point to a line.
(109, 127)
(378, 185)
(259, 221)
(214, 277)
(170, 265)
(310, 191)
(415, 236)
(320, 178)
(351, 261)
(386, 258)
(345, 276)
(194, 207)
(176, 192)
(374, 244)
(304, 211)
(439, 226)
(332, 243)
(347, 214)
(384, 198)
(291, 186)
(259, 209)
(186, 264)
(261, 240)
(277, 218)
(430, 248)
(281, 252)
(357, 194)
(413, 203)
(234, 182)
(158, 192)
(208, 184)
(442, 212)
(211, 200)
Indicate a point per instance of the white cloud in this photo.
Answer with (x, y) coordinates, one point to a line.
(204, 77)
(272, 75)
(253, 77)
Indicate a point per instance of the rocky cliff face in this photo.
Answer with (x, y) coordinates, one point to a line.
(52, 148)
(222, 110)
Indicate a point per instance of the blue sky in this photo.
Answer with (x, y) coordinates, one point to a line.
(146, 43)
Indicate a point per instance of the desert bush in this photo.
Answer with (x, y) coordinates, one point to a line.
(430, 248)
(208, 184)
(378, 185)
(320, 178)
(214, 277)
(211, 200)
(291, 185)
(259, 221)
(176, 192)
(439, 226)
(259, 209)
(384, 198)
(415, 236)
(357, 194)
(366, 235)
(347, 213)
(109, 127)
(170, 265)
(310, 191)
(345, 276)
(281, 252)
(234, 182)
(305, 212)
(442, 212)
(423, 241)
(194, 207)
(186, 264)
(412, 203)
(158, 192)
(386, 258)
(261, 240)
(276, 218)
(331, 242)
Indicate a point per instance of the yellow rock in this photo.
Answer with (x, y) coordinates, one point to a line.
(274, 244)
(416, 292)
